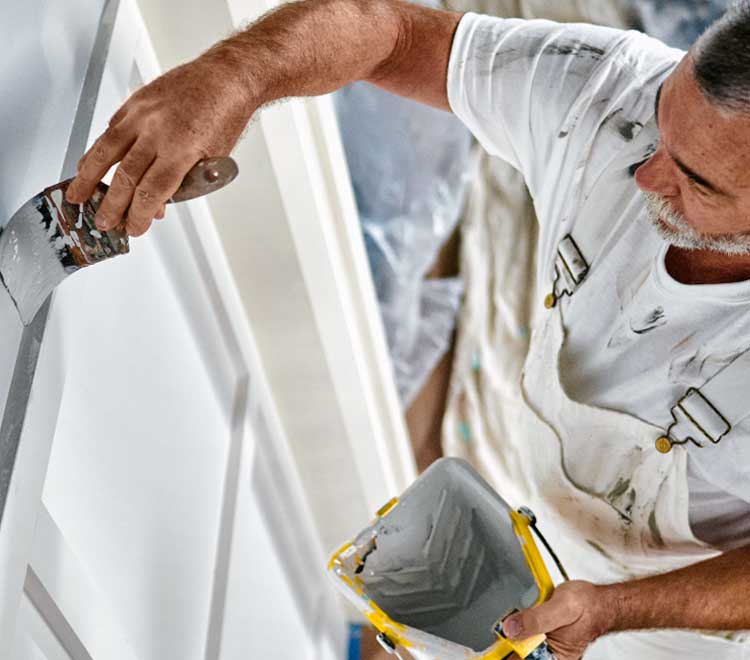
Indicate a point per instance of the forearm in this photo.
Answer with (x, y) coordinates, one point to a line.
(200, 109)
(316, 46)
(711, 595)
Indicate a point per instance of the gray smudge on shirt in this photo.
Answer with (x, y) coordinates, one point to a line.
(502, 58)
(650, 150)
(625, 127)
(575, 48)
(599, 549)
(654, 529)
(693, 368)
(572, 124)
(620, 489)
(655, 319)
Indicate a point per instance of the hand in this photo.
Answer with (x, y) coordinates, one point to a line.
(195, 111)
(573, 618)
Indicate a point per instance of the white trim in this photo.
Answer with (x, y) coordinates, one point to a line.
(318, 241)
(308, 161)
(377, 371)
(24, 496)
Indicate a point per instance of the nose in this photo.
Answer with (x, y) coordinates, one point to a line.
(655, 175)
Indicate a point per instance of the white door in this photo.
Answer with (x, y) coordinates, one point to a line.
(171, 523)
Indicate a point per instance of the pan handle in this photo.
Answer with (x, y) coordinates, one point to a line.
(541, 652)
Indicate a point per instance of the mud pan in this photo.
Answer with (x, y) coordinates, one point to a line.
(440, 565)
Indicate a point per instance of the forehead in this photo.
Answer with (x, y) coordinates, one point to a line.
(713, 142)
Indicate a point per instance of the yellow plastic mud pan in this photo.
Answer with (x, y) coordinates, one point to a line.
(440, 568)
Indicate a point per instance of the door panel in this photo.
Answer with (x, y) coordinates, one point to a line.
(136, 475)
(173, 521)
(151, 540)
(136, 472)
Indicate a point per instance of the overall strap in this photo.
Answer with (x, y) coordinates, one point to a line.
(707, 414)
(570, 270)
(702, 415)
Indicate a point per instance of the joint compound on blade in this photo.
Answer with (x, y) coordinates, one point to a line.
(46, 240)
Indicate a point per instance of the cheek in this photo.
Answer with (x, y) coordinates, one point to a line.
(686, 201)
(705, 216)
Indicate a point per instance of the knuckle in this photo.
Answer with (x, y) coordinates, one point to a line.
(143, 196)
(85, 164)
(530, 621)
(98, 154)
(162, 178)
(117, 116)
(115, 134)
(123, 178)
(138, 158)
(132, 167)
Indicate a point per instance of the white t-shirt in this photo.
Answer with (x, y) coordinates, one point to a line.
(572, 107)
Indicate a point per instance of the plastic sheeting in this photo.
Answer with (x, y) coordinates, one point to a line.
(678, 22)
(409, 165)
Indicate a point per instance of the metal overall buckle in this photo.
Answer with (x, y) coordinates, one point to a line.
(696, 411)
(571, 269)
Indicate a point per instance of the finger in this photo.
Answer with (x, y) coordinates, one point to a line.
(137, 229)
(120, 195)
(158, 184)
(119, 115)
(110, 147)
(162, 212)
(548, 616)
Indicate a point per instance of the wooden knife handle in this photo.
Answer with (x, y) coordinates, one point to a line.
(205, 177)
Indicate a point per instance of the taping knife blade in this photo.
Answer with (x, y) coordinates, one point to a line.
(48, 238)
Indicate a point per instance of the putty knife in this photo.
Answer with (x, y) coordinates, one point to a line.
(48, 238)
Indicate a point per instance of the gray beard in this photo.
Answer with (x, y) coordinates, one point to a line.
(680, 234)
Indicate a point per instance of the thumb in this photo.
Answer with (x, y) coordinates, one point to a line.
(543, 618)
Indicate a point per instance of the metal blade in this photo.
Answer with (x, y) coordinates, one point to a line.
(46, 240)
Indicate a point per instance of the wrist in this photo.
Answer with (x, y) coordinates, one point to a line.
(241, 83)
(609, 608)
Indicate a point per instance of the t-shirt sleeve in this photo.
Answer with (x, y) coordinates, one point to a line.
(529, 89)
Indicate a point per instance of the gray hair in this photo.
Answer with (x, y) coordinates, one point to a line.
(721, 58)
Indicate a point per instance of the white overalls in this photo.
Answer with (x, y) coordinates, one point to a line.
(611, 505)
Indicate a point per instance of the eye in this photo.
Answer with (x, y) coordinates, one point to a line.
(697, 186)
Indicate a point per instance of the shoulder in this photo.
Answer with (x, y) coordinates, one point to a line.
(541, 44)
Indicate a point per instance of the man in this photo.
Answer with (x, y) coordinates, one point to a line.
(648, 294)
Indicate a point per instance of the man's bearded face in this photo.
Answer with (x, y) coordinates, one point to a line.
(673, 227)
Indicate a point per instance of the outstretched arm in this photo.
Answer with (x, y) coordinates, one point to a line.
(710, 595)
(200, 109)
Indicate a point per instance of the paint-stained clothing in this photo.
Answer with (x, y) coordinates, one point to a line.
(572, 107)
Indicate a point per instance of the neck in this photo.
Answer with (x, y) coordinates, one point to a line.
(705, 267)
